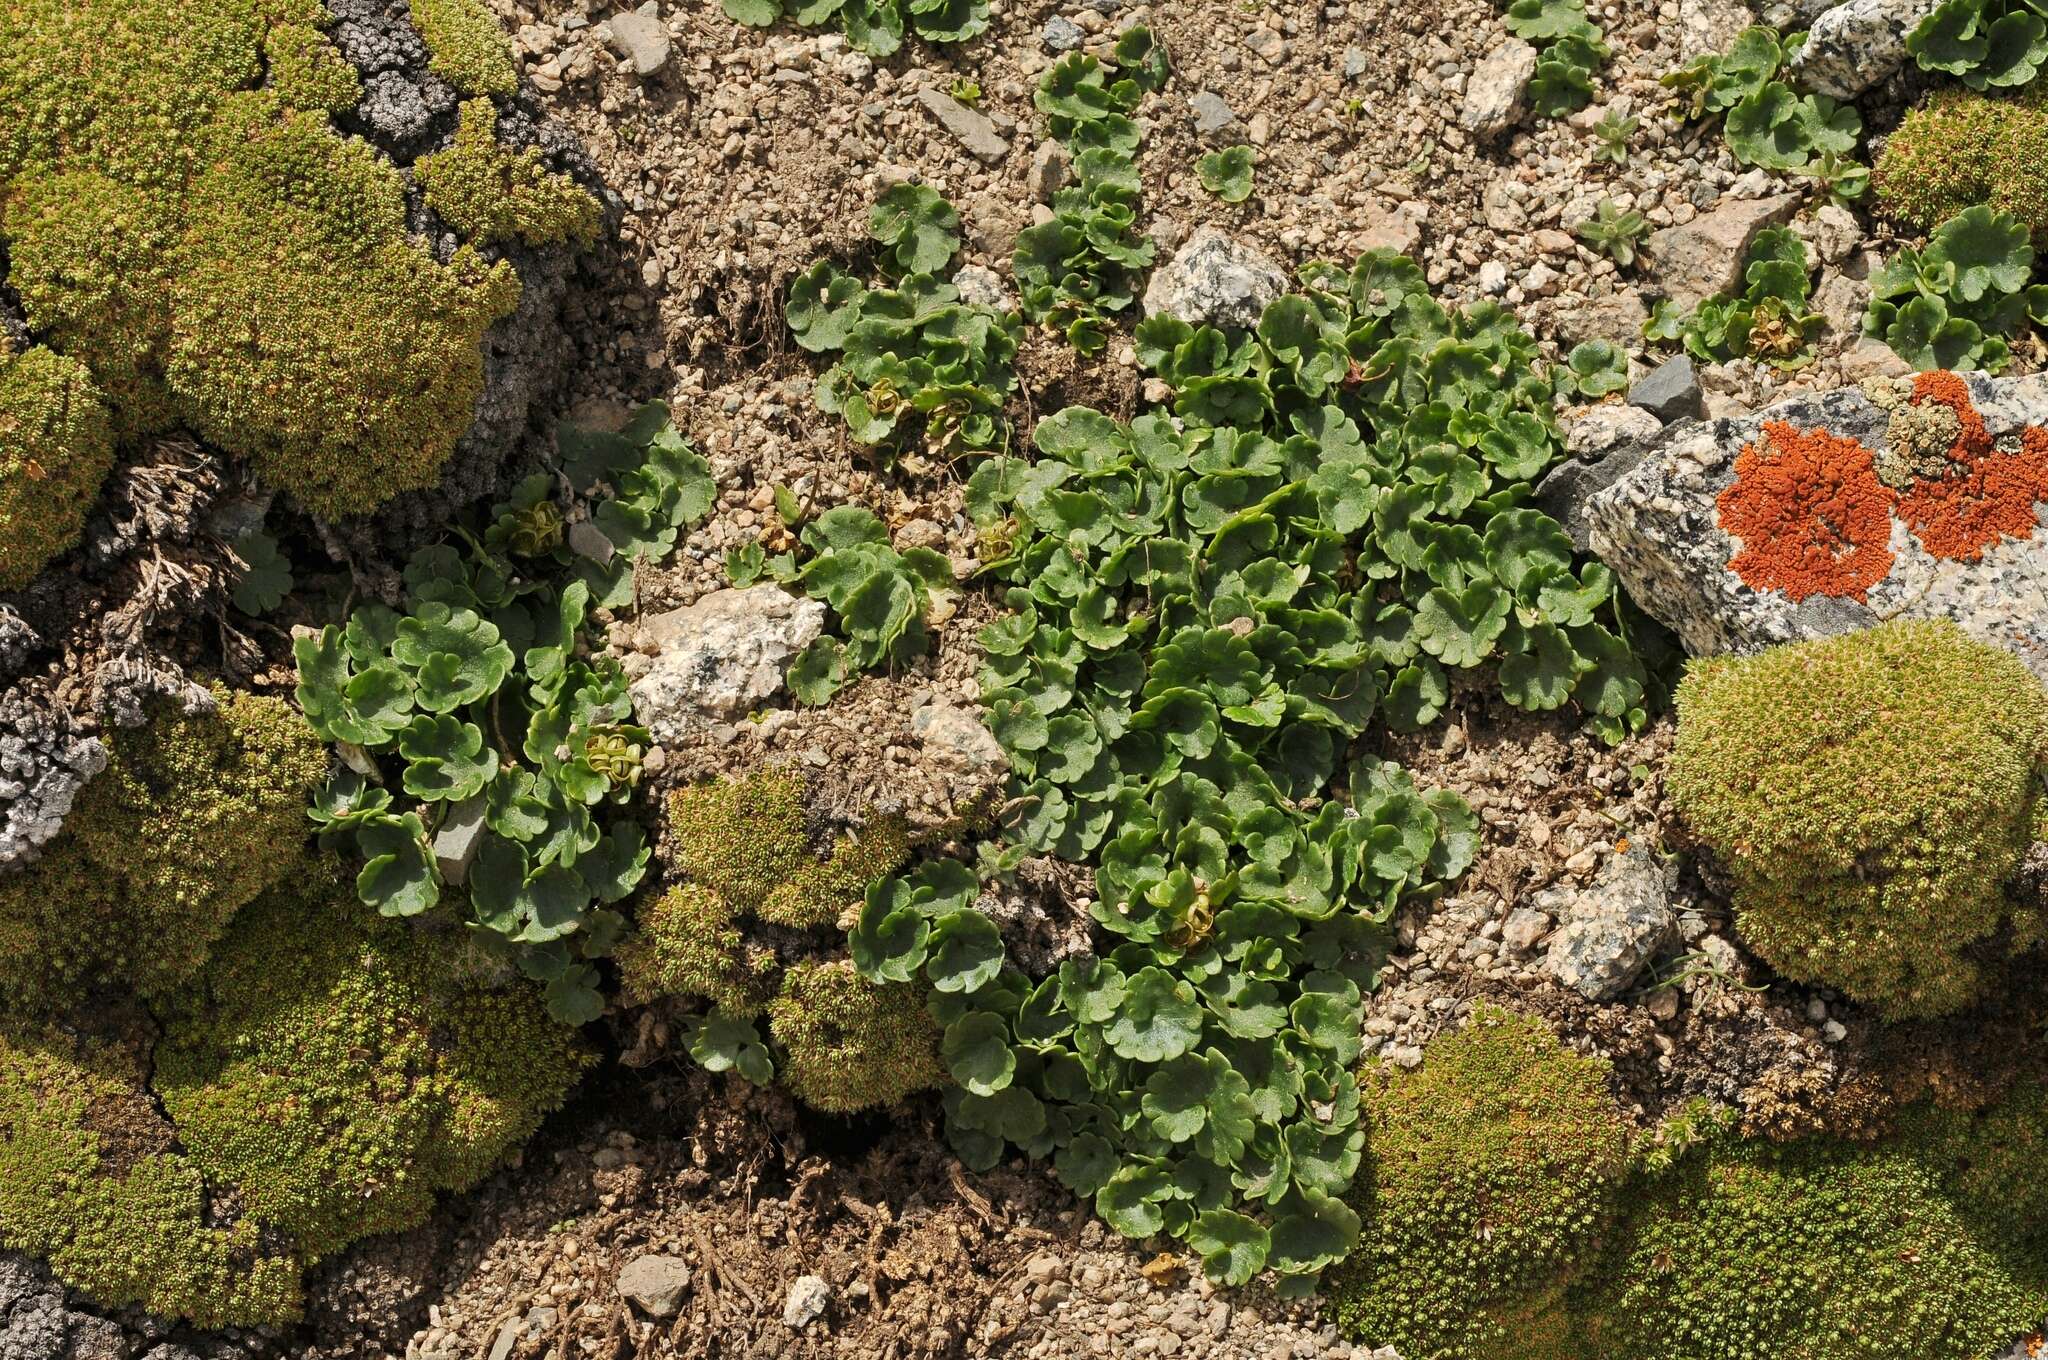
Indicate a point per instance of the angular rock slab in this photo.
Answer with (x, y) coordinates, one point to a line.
(1658, 530)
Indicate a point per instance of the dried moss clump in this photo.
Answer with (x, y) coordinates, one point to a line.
(181, 214)
(192, 818)
(490, 194)
(1960, 149)
(320, 1080)
(1808, 1252)
(56, 446)
(849, 1044)
(1491, 1174)
(1871, 794)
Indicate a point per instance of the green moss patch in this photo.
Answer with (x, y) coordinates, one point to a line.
(1960, 149)
(56, 447)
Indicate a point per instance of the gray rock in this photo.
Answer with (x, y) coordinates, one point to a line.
(1606, 444)
(458, 840)
(806, 1301)
(97, 1338)
(1061, 34)
(1706, 26)
(972, 130)
(1872, 358)
(1658, 529)
(639, 36)
(1670, 391)
(585, 539)
(720, 657)
(507, 1338)
(1835, 232)
(1854, 46)
(1214, 280)
(1843, 301)
(1612, 928)
(1493, 96)
(1703, 257)
(45, 759)
(1212, 113)
(655, 1284)
(954, 735)
(1524, 929)
(1051, 165)
(981, 286)
(1616, 316)
(1356, 62)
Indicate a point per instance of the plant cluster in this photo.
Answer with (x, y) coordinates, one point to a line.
(1870, 794)
(56, 447)
(1951, 304)
(1767, 122)
(1077, 271)
(911, 354)
(475, 715)
(1208, 606)
(488, 193)
(880, 599)
(1960, 149)
(1986, 44)
(1612, 133)
(1594, 369)
(192, 818)
(1614, 233)
(183, 216)
(1768, 321)
(322, 1078)
(468, 48)
(1491, 1175)
(876, 27)
(841, 1040)
(1569, 49)
(1228, 173)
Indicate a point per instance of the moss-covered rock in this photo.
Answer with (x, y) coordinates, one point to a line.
(1491, 1175)
(335, 1069)
(1960, 149)
(322, 1078)
(847, 1044)
(192, 818)
(56, 447)
(1871, 793)
(1808, 1252)
(181, 214)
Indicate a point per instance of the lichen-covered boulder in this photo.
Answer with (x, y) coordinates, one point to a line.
(1912, 498)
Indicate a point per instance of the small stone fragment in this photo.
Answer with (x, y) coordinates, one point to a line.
(1213, 280)
(1051, 164)
(655, 1284)
(1670, 391)
(639, 36)
(1700, 258)
(458, 840)
(1856, 45)
(1493, 96)
(1612, 927)
(972, 130)
(721, 657)
(806, 1301)
(1061, 35)
(1212, 114)
(586, 540)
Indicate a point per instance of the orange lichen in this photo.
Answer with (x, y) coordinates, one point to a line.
(1984, 495)
(1811, 514)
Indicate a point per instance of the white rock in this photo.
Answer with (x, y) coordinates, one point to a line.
(639, 37)
(655, 1284)
(1855, 45)
(1613, 927)
(806, 1301)
(1493, 98)
(1216, 281)
(721, 657)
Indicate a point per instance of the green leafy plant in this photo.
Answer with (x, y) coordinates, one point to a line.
(876, 27)
(1952, 304)
(1986, 44)
(1077, 271)
(1769, 321)
(1768, 123)
(268, 575)
(913, 357)
(879, 598)
(1569, 49)
(471, 717)
(1612, 133)
(1228, 173)
(1594, 369)
(1209, 606)
(1614, 233)
(1842, 179)
(966, 90)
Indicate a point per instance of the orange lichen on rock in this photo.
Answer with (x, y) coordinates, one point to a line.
(1985, 495)
(1811, 514)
